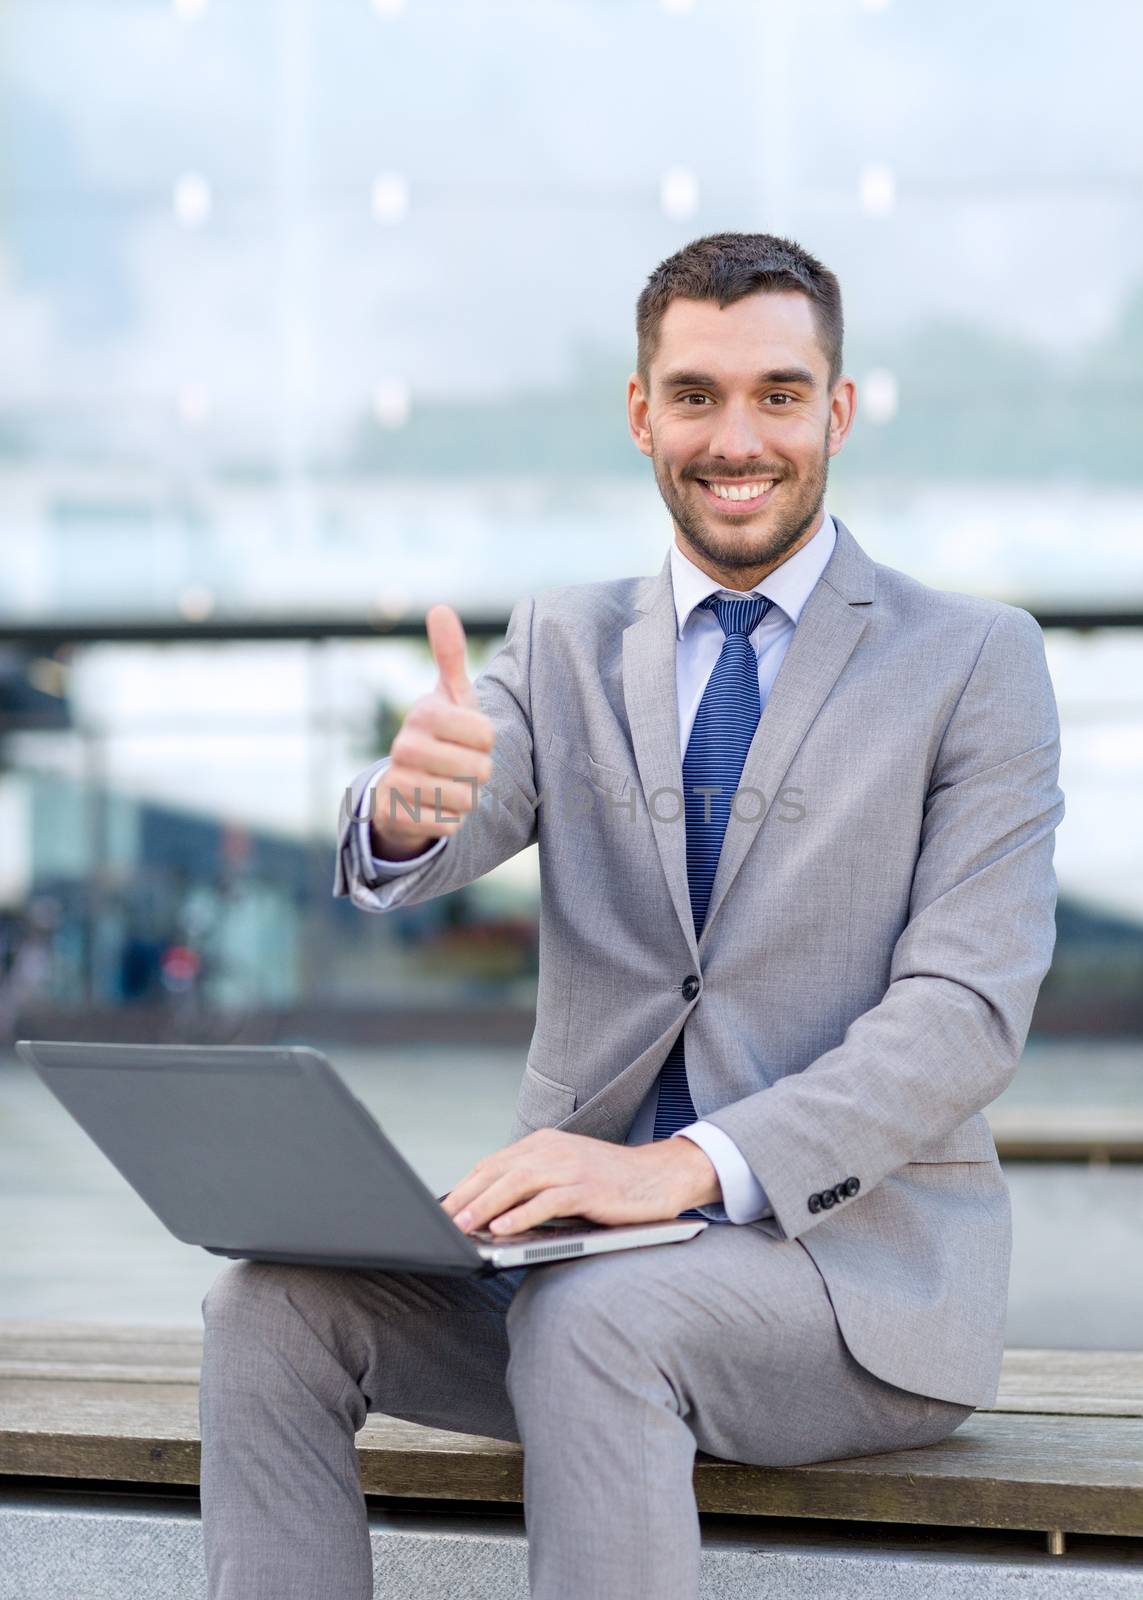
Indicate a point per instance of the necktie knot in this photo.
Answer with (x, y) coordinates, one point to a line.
(738, 616)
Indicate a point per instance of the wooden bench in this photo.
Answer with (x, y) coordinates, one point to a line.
(1061, 1451)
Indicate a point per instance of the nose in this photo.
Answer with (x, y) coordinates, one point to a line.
(737, 435)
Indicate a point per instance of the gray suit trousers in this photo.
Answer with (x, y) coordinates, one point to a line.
(609, 1370)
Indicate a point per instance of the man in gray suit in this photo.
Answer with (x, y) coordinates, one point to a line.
(795, 815)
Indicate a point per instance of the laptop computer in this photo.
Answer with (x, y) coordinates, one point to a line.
(261, 1153)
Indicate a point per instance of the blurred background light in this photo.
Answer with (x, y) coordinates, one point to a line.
(192, 200)
(679, 194)
(878, 395)
(196, 603)
(878, 189)
(194, 404)
(392, 402)
(390, 604)
(390, 197)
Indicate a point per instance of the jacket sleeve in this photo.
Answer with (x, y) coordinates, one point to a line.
(948, 1034)
(504, 821)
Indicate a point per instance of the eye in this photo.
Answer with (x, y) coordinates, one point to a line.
(780, 395)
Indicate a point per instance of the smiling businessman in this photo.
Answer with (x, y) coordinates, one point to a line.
(791, 934)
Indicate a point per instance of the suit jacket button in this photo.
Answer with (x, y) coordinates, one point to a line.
(840, 1192)
(828, 1198)
(691, 986)
(852, 1185)
(815, 1202)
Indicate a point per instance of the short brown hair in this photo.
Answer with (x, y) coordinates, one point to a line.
(727, 267)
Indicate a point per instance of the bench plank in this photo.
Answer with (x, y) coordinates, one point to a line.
(1045, 1382)
(1094, 1383)
(100, 1351)
(75, 1341)
(1081, 1474)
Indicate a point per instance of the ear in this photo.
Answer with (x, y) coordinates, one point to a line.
(639, 414)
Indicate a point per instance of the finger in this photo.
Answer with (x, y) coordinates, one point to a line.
(428, 798)
(427, 829)
(508, 1190)
(446, 640)
(420, 752)
(549, 1203)
(520, 1153)
(456, 1199)
(463, 725)
(486, 1170)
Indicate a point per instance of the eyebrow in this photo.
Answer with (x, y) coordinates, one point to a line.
(703, 380)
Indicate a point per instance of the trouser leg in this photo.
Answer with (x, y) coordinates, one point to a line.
(294, 1358)
(620, 1365)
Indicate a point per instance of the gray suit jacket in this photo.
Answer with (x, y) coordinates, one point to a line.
(881, 920)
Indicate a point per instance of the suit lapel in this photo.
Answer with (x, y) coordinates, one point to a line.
(650, 694)
(827, 632)
(824, 639)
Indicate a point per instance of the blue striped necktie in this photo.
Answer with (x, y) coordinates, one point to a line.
(724, 725)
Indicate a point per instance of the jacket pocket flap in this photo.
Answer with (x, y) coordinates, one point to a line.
(542, 1102)
(584, 763)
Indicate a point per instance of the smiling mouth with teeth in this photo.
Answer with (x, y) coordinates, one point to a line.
(739, 495)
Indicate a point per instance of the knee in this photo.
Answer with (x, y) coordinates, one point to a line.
(269, 1327)
(245, 1292)
(538, 1317)
(576, 1324)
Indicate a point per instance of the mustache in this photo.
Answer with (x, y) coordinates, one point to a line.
(748, 477)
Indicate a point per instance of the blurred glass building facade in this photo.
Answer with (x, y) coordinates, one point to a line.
(312, 314)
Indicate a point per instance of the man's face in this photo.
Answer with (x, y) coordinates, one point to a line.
(740, 399)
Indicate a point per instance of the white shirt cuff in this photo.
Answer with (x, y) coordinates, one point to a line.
(743, 1197)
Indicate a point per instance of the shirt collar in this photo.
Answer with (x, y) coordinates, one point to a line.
(788, 586)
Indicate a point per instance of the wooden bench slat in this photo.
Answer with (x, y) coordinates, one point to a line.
(76, 1338)
(1045, 1382)
(997, 1470)
(1092, 1383)
(100, 1350)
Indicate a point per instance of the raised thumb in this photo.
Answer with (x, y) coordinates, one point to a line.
(446, 641)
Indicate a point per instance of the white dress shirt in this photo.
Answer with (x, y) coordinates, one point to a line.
(700, 640)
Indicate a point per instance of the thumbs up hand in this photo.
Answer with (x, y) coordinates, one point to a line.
(440, 757)
(447, 642)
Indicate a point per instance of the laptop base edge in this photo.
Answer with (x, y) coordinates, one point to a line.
(360, 1264)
